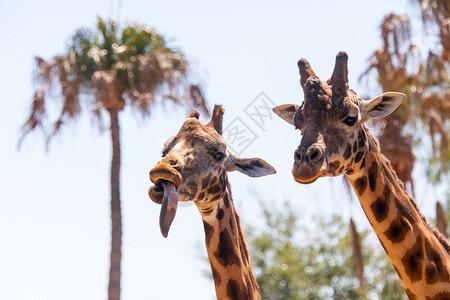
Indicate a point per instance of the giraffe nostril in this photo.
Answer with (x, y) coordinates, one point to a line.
(298, 156)
(314, 155)
(173, 162)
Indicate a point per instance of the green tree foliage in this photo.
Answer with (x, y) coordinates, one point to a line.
(290, 262)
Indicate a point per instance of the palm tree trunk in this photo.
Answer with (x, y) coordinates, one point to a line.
(116, 216)
(358, 255)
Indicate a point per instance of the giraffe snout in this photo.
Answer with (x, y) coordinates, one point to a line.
(313, 154)
(173, 162)
(308, 163)
(165, 171)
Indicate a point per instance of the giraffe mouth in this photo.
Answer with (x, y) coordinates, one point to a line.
(159, 174)
(306, 181)
(163, 171)
(166, 180)
(305, 175)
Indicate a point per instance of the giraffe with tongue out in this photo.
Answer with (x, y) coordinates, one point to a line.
(194, 167)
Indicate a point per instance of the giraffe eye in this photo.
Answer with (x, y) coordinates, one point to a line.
(218, 156)
(350, 120)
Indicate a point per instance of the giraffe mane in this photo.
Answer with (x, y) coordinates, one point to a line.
(374, 146)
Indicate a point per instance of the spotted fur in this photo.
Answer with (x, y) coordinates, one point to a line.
(331, 119)
(197, 154)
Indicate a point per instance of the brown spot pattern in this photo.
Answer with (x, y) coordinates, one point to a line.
(431, 275)
(216, 276)
(405, 211)
(222, 178)
(363, 163)
(234, 291)
(398, 229)
(220, 214)
(358, 157)
(225, 252)
(380, 208)
(348, 151)
(201, 196)
(413, 260)
(226, 201)
(361, 138)
(332, 167)
(440, 296)
(373, 176)
(355, 146)
(209, 231)
(214, 189)
(435, 270)
(361, 184)
(205, 181)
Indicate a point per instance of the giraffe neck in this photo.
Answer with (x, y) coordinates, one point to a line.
(421, 260)
(227, 251)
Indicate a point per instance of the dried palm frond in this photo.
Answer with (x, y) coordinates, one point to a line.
(437, 13)
(106, 90)
(397, 147)
(198, 99)
(36, 116)
(53, 77)
(437, 125)
(444, 34)
(396, 55)
(108, 69)
(434, 10)
(426, 85)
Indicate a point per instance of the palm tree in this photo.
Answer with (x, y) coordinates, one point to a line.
(426, 81)
(105, 70)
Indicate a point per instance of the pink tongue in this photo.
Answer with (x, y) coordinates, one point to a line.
(169, 207)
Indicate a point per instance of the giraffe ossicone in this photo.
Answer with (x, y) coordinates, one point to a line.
(335, 142)
(194, 168)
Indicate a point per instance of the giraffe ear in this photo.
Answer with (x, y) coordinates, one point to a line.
(380, 106)
(253, 167)
(286, 112)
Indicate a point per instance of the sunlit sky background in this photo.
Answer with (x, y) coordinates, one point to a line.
(54, 207)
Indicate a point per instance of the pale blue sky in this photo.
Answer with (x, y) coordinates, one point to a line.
(54, 207)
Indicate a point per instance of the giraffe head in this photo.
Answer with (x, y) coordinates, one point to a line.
(331, 120)
(194, 167)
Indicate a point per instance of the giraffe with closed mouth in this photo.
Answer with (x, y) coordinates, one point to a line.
(335, 142)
